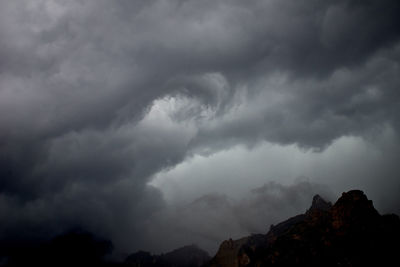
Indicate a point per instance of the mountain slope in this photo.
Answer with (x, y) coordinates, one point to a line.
(349, 233)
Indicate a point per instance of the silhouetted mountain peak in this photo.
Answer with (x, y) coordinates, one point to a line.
(353, 210)
(349, 233)
(319, 203)
(319, 208)
(355, 199)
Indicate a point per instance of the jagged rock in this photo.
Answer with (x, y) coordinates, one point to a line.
(319, 204)
(349, 233)
(352, 209)
(229, 253)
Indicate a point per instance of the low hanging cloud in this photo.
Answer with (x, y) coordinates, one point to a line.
(214, 217)
(97, 97)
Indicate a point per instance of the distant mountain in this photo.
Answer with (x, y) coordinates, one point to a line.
(349, 233)
(188, 256)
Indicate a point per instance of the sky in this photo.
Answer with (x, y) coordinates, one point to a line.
(162, 123)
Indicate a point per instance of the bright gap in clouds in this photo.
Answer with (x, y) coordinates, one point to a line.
(348, 163)
(242, 189)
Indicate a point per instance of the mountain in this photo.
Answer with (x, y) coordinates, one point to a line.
(188, 256)
(349, 233)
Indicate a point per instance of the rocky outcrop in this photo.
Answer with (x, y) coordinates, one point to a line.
(319, 205)
(229, 252)
(349, 233)
(353, 209)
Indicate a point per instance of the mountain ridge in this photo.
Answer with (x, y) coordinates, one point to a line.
(349, 233)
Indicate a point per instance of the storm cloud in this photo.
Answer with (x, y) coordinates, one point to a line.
(97, 98)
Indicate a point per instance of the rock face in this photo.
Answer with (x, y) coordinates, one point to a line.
(188, 256)
(349, 233)
(319, 204)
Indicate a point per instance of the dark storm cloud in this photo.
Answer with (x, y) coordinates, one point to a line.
(81, 133)
(313, 112)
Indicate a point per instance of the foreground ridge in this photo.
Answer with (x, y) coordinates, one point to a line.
(349, 233)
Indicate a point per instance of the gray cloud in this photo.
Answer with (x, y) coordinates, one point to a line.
(212, 218)
(97, 97)
(313, 112)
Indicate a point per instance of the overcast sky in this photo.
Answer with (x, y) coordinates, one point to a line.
(162, 123)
